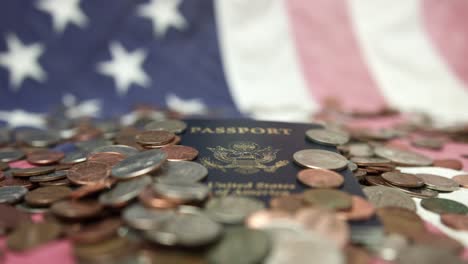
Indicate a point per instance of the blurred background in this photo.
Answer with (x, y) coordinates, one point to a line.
(266, 59)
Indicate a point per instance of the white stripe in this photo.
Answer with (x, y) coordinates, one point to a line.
(260, 60)
(410, 72)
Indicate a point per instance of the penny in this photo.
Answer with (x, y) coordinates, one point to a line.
(327, 137)
(397, 220)
(76, 209)
(370, 161)
(61, 182)
(455, 221)
(175, 141)
(75, 157)
(328, 198)
(402, 179)
(12, 194)
(290, 203)
(56, 175)
(179, 152)
(143, 218)
(108, 158)
(124, 191)
(4, 166)
(28, 172)
(9, 155)
(107, 251)
(444, 206)
(381, 196)
(30, 235)
(121, 149)
(438, 183)
(402, 157)
(317, 158)
(361, 209)
(453, 164)
(154, 137)
(139, 164)
(320, 178)
(263, 218)
(10, 218)
(187, 192)
(88, 172)
(151, 199)
(232, 209)
(174, 126)
(11, 181)
(97, 231)
(89, 189)
(462, 180)
(181, 172)
(376, 180)
(45, 196)
(44, 157)
(417, 192)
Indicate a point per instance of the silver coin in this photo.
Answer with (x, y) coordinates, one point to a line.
(402, 157)
(142, 218)
(427, 255)
(12, 194)
(232, 209)
(181, 172)
(9, 155)
(369, 161)
(74, 157)
(174, 126)
(439, 183)
(139, 164)
(122, 149)
(352, 166)
(90, 145)
(56, 175)
(422, 193)
(240, 245)
(124, 191)
(38, 138)
(182, 191)
(360, 150)
(327, 137)
(382, 196)
(317, 158)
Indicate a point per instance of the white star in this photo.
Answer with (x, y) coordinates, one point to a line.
(163, 14)
(64, 12)
(18, 118)
(22, 61)
(187, 107)
(85, 108)
(126, 68)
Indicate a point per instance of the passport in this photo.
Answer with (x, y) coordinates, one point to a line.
(255, 158)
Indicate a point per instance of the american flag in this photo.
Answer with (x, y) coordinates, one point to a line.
(269, 59)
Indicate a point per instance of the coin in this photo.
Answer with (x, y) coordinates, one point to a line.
(74, 157)
(97, 231)
(455, 221)
(179, 152)
(185, 191)
(361, 209)
(440, 241)
(181, 172)
(327, 137)
(290, 203)
(12, 194)
(402, 179)
(86, 190)
(28, 172)
(56, 175)
(360, 150)
(61, 182)
(30, 235)
(10, 218)
(428, 143)
(11, 181)
(174, 126)
(438, 183)
(88, 172)
(175, 141)
(329, 199)
(23, 207)
(263, 218)
(44, 157)
(232, 209)
(398, 220)
(9, 155)
(444, 206)
(417, 192)
(152, 200)
(381, 196)
(462, 180)
(154, 137)
(376, 180)
(426, 254)
(357, 255)
(121, 149)
(111, 250)
(317, 158)
(320, 178)
(4, 166)
(370, 161)
(76, 209)
(402, 157)
(124, 191)
(45, 196)
(139, 164)
(453, 164)
(108, 158)
(143, 218)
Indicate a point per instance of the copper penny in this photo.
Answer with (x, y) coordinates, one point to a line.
(45, 196)
(30, 235)
(97, 232)
(376, 180)
(453, 164)
(290, 203)
(179, 152)
(360, 210)
(88, 172)
(403, 179)
(28, 172)
(76, 209)
(11, 181)
(455, 221)
(401, 221)
(44, 157)
(462, 180)
(154, 137)
(108, 158)
(263, 218)
(56, 175)
(320, 178)
(89, 189)
(151, 199)
(438, 183)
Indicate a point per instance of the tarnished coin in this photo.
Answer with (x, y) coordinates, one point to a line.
(317, 158)
(108, 158)
(232, 209)
(290, 203)
(327, 137)
(44, 157)
(462, 180)
(182, 191)
(12, 194)
(174, 126)
(28, 172)
(97, 231)
(76, 209)
(251, 244)
(154, 137)
(45, 196)
(397, 220)
(10, 218)
(181, 172)
(426, 254)
(56, 175)
(361, 209)
(320, 178)
(121, 149)
(403, 179)
(139, 164)
(179, 152)
(124, 191)
(455, 221)
(444, 206)
(143, 218)
(381, 196)
(30, 235)
(329, 199)
(403, 157)
(9, 155)
(88, 172)
(74, 157)
(453, 164)
(438, 183)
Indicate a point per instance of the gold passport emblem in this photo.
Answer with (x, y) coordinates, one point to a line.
(244, 157)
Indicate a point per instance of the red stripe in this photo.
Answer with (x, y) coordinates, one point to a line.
(329, 52)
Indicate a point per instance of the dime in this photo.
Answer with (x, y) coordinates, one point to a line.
(179, 152)
(402, 157)
(56, 175)
(139, 164)
(381, 196)
(44, 157)
(232, 209)
(290, 203)
(438, 183)
(45, 196)
(455, 221)
(88, 172)
(397, 220)
(361, 209)
(182, 191)
(402, 179)
(327, 137)
(143, 218)
(75, 157)
(317, 158)
(12, 194)
(124, 191)
(9, 155)
(444, 206)
(121, 149)
(462, 180)
(329, 199)
(181, 172)
(453, 164)
(108, 158)
(30, 235)
(10, 218)
(154, 137)
(28, 172)
(320, 178)
(174, 126)
(76, 209)
(97, 231)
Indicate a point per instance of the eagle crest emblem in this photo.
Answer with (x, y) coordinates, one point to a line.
(244, 157)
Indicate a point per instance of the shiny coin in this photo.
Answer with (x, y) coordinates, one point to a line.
(327, 137)
(462, 180)
(45, 196)
(381, 196)
(74, 157)
(154, 137)
(37, 138)
(121, 149)
(329, 199)
(402, 179)
(181, 172)
(108, 158)
(124, 191)
(232, 209)
(28, 172)
(139, 164)
(12, 194)
(143, 218)
(453, 164)
(403, 157)
(97, 231)
(76, 209)
(438, 183)
(56, 175)
(320, 178)
(174, 126)
(179, 152)
(317, 158)
(31, 235)
(455, 221)
(44, 157)
(361, 209)
(9, 155)
(88, 172)
(444, 206)
(182, 191)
